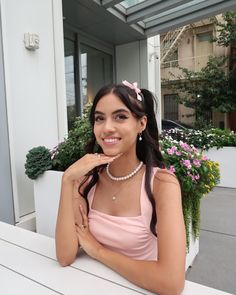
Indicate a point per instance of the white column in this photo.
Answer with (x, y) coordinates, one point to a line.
(35, 94)
(154, 77)
(139, 61)
(131, 63)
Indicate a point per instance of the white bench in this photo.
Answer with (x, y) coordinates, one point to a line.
(28, 266)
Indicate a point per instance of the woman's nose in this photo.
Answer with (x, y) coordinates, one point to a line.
(109, 125)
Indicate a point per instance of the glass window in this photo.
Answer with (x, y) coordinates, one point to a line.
(171, 107)
(205, 37)
(70, 76)
(96, 71)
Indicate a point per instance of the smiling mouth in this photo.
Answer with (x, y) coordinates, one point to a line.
(111, 140)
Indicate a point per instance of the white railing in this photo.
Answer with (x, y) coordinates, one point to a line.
(171, 41)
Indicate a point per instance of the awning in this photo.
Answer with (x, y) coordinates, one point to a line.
(118, 22)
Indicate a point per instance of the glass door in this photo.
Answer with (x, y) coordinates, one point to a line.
(96, 71)
(87, 69)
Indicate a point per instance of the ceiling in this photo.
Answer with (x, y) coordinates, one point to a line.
(118, 22)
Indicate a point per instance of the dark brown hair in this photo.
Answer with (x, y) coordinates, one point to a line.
(147, 150)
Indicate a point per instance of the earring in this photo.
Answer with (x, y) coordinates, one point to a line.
(140, 136)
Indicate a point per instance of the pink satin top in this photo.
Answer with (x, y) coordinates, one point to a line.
(130, 236)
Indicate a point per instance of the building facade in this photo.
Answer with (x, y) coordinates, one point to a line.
(188, 47)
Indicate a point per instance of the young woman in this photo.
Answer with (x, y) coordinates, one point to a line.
(121, 205)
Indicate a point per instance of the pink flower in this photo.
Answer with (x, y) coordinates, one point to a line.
(187, 164)
(192, 176)
(205, 158)
(197, 176)
(185, 146)
(178, 153)
(195, 149)
(170, 151)
(196, 163)
(54, 151)
(172, 169)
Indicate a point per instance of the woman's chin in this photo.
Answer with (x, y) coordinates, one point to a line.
(111, 153)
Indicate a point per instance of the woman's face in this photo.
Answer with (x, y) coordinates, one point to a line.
(115, 127)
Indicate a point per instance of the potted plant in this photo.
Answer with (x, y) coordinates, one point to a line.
(198, 176)
(46, 168)
(217, 144)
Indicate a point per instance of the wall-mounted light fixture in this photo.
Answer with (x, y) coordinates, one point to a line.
(153, 55)
(31, 41)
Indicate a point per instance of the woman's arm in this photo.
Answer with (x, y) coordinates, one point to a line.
(66, 239)
(68, 213)
(167, 275)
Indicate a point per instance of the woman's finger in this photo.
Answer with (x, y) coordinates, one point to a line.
(103, 159)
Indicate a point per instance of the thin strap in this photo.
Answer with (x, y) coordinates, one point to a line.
(154, 171)
(144, 201)
(91, 196)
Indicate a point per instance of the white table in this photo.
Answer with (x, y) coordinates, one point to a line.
(28, 266)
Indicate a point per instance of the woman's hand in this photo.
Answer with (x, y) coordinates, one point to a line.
(85, 164)
(86, 240)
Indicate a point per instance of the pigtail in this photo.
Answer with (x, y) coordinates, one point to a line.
(150, 150)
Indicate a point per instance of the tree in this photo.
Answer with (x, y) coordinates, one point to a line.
(227, 30)
(227, 38)
(207, 90)
(213, 88)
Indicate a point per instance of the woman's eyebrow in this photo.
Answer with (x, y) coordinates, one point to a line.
(98, 113)
(121, 111)
(115, 112)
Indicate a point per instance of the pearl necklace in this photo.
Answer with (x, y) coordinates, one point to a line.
(126, 176)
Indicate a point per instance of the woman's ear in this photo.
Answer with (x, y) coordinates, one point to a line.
(143, 123)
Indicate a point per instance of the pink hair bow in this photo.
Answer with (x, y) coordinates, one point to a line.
(133, 86)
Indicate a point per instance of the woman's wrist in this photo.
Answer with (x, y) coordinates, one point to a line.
(67, 178)
(101, 252)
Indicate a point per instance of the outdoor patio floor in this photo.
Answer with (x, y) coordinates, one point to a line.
(215, 265)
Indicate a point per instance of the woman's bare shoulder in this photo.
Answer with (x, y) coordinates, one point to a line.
(164, 175)
(166, 186)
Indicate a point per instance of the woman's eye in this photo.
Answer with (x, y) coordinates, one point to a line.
(121, 117)
(98, 118)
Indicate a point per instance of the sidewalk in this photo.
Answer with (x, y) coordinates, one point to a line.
(215, 265)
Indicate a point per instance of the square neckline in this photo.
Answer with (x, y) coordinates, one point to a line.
(92, 194)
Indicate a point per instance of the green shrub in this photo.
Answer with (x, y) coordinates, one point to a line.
(38, 160)
(41, 159)
(72, 148)
(203, 139)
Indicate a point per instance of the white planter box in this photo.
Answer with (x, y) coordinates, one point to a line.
(226, 157)
(47, 189)
(193, 251)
